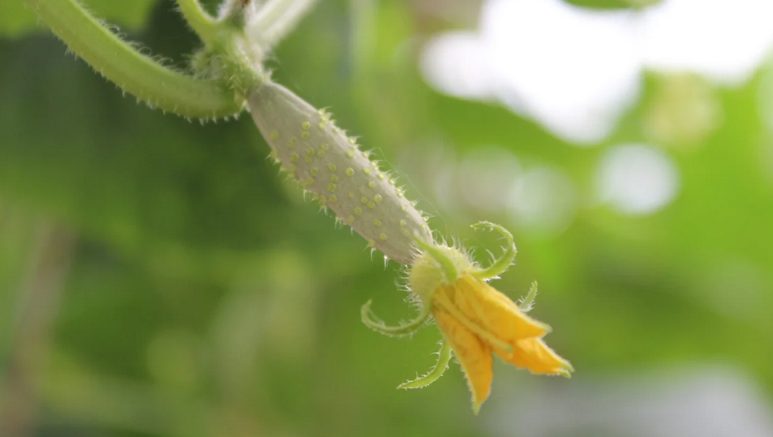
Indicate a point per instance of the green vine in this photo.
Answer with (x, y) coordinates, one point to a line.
(199, 20)
(226, 70)
(135, 73)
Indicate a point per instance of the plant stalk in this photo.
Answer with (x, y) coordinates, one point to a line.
(135, 73)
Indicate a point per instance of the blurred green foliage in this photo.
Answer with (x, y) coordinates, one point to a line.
(17, 20)
(207, 298)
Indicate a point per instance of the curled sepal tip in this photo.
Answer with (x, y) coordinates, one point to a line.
(501, 264)
(444, 356)
(527, 302)
(402, 329)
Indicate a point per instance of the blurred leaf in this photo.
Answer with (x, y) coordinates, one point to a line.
(17, 239)
(93, 167)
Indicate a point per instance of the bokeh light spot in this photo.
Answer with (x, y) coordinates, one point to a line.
(637, 179)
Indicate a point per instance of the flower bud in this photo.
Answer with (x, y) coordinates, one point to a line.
(327, 163)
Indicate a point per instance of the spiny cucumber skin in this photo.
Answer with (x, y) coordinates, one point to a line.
(327, 163)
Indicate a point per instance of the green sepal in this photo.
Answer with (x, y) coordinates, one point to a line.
(400, 330)
(501, 264)
(444, 356)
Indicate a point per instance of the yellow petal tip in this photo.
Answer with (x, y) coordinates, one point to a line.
(566, 370)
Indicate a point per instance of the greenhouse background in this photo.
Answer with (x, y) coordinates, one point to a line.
(161, 278)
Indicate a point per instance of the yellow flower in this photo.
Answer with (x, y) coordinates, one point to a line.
(476, 320)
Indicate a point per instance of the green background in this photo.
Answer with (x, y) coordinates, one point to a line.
(205, 297)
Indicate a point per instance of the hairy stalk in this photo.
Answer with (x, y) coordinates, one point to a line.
(274, 20)
(199, 20)
(132, 71)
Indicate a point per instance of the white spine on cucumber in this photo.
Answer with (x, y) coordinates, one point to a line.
(329, 164)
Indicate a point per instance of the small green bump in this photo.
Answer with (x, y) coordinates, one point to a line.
(322, 200)
(310, 152)
(313, 172)
(400, 192)
(366, 154)
(381, 176)
(377, 222)
(406, 233)
(331, 187)
(358, 211)
(307, 160)
(274, 135)
(426, 219)
(333, 178)
(372, 243)
(374, 164)
(332, 168)
(364, 200)
(291, 143)
(371, 184)
(350, 154)
(294, 157)
(349, 171)
(304, 135)
(306, 125)
(366, 171)
(382, 237)
(403, 222)
(333, 198)
(322, 125)
(377, 198)
(404, 208)
(324, 146)
(414, 202)
(320, 153)
(351, 195)
(371, 205)
(351, 219)
(352, 140)
(307, 182)
(391, 182)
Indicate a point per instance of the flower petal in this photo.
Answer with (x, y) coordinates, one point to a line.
(474, 356)
(495, 312)
(535, 355)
